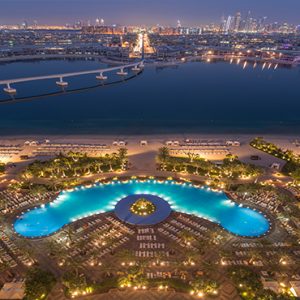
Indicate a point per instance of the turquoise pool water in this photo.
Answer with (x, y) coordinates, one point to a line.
(82, 202)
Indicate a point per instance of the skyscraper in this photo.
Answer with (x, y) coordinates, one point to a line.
(237, 21)
(261, 24)
(223, 23)
(248, 21)
(228, 25)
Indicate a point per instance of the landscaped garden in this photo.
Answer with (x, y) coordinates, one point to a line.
(76, 165)
(250, 286)
(230, 169)
(38, 284)
(292, 165)
(142, 207)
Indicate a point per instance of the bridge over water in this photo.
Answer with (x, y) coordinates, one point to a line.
(121, 71)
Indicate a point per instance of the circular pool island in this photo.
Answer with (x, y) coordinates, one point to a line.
(142, 209)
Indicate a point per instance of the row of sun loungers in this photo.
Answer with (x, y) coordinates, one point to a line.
(204, 143)
(187, 228)
(8, 151)
(289, 228)
(146, 237)
(248, 254)
(193, 223)
(151, 253)
(19, 254)
(113, 246)
(267, 200)
(202, 147)
(192, 142)
(145, 230)
(120, 225)
(99, 236)
(174, 237)
(6, 259)
(152, 246)
(52, 149)
(242, 263)
(259, 245)
(97, 243)
(264, 199)
(158, 274)
(202, 151)
(14, 201)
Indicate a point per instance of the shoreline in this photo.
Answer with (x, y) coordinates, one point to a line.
(151, 137)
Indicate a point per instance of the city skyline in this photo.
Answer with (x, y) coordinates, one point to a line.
(191, 12)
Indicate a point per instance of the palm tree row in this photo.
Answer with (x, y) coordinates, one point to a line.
(76, 164)
(193, 164)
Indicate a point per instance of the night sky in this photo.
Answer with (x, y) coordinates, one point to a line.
(144, 12)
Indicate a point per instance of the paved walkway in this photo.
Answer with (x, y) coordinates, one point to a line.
(230, 294)
(57, 294)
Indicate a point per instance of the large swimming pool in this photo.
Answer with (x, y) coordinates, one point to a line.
(70, 206)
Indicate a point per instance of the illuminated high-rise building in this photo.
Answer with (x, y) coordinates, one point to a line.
(261, 24)
(228, 25)
(237, 21)
(248, 21)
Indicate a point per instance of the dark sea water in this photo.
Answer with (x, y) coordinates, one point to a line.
(194, 97)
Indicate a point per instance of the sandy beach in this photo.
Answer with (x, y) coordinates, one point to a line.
(142, 157)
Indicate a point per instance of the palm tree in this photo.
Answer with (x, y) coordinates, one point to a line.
(163, 154)
(122, 157)
(186, 236)
(69, 233)
(191, 256)
(75, 264)
(192, 155)
(98, 165)
(255, 255)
